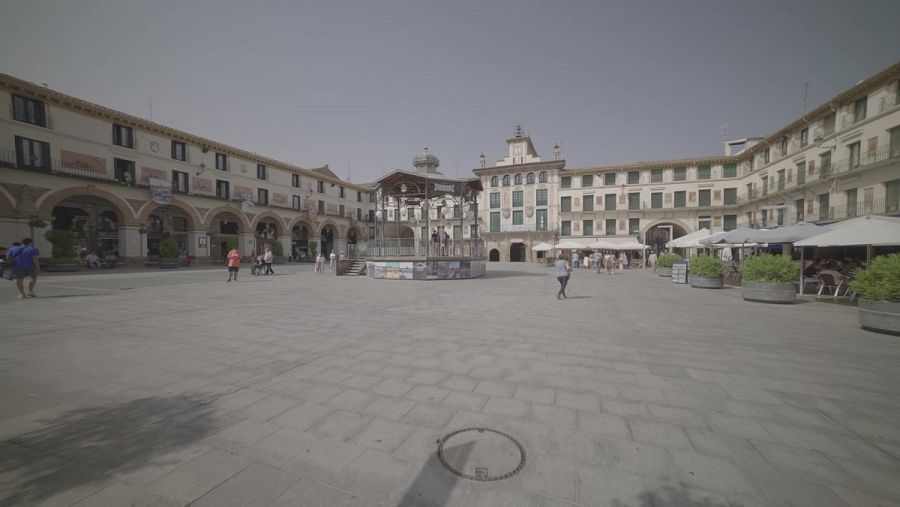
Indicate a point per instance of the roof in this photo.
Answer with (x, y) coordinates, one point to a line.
(418, 185)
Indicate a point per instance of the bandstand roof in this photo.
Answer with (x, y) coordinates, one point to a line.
(416, 182)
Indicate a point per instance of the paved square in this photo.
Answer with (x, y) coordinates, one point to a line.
(164, 388)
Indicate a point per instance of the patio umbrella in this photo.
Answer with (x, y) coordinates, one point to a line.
(739, 235)
(789, 234)
(712, 239)
(691, 240)
(542, 247)
(570, 245)
(630, 244)
(599, 244)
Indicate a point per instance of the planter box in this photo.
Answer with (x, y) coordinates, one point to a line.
(169, 263)
(279, 260)
(702, 282)
(778, 293)
(61, 266)
(664, 271)
(879, 316)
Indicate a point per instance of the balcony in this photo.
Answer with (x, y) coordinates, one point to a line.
(876, 207)
(409, 247)
(76, 170)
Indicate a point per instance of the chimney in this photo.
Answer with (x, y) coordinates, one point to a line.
(557, 154)
(482, 160)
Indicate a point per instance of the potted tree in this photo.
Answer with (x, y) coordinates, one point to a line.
(63, 250)
(878, 288)
(664, 263)
(168, 253)
(769, 279)
(706, 272)
(278, 252)
(313, 251)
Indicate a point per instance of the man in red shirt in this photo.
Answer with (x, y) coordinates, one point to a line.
(234, 263)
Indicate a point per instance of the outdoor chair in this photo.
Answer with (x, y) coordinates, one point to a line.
(828, 282)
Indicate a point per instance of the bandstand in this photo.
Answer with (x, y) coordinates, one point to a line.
(426, 226)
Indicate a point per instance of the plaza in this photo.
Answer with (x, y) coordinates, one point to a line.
(151, 387)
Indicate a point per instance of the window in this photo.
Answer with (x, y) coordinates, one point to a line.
(828, 124)
(542, 177)
(320, 187)
(704, 172)
(609, 179)
(359, 213)
(541, 219)
(705, 197)
(565, 228)
(540, 197)
(506, 180)
(222, 190)
(781, 180)
(262, 196)
(371, 196)
(565, 204)
(358, 196)
(634, 200)
(587, 181)
(784, 146)
(892, 196)
(518, 217)
(854, 155)
(851, 202)
(179, 151)
(32, 154)
(371, 233)
(729, 222)
(180, 182)
(494, 181)
(798, 210)
(495, 199)
(895, 142)
(124, 171)
(859, 109)
(221, 161)
(804, 137)
(341, 192)
(587, 202)
(529, 178)
(765, 185)
(680, 174)
(729, 171)
(295, 180)
(565, 182)
(495, 221)
(610, 226)
(457, 211)
(341, 210)
(609, 201)
(634, 226)
(765, 155)
(656, 200)
(825, 164)
(29, 111)
(656, 176)
(801, 173)
(587, 227)
(730, 196)
(518, 179)
(824, 206)
(260, 171)
(296, 203)
(680, 199)
(123, 136)
(321, 207)
(634, 177)
(518, 198)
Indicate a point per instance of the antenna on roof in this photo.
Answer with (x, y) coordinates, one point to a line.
(150, 101)
(805, 95)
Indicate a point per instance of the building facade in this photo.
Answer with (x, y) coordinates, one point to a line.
(124, 184)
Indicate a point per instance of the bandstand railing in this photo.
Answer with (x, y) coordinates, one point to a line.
(409, 247)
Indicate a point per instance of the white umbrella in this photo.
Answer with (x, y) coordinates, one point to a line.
(542, 247)
(599, 244)
(789, 234)
(712, 239)
(630, 244)
(868, 230)
(570, 245)
(691, 240)
(739, 235)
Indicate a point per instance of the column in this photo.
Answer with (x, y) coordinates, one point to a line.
(194, 248)
(130, 245)
(286, 241)
(246, 243)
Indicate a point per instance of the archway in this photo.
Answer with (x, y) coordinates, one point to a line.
(164, 222)
(494, 255)
(517, 252)
(661, 233)
(352, 246)
(223, 231)
(94, 220)
(300, 242)
(326, 239)
(267, 233)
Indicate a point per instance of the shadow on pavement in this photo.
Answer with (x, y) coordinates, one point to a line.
(81, 446)
(669, 495)
(434, 484)
(510, 274)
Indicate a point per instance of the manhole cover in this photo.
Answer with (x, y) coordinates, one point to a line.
(481, 454)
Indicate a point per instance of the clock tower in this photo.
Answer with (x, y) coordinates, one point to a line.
(520, 149)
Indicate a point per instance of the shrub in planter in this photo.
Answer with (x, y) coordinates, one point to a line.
(62, 251)
(664, 263)
(769, 279)
(706, 272)
(879, 291)
(168, 253)
(277, 249)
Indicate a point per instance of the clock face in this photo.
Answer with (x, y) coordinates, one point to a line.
(517, 150)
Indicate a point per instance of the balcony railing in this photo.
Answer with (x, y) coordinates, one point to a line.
(56, 166)
(409, 247)
(876, 207)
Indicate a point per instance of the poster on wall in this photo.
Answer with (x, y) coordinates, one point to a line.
(406, 270)
(247, 204)
(160, 191)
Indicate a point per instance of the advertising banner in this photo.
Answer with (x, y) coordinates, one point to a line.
(160, 191)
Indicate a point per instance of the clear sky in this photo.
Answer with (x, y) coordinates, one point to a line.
(363, 86)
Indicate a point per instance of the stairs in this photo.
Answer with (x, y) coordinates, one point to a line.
(357, 268)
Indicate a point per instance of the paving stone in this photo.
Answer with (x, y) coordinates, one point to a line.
(553, 416)
(495, 388)
(467, 401)
(535, 394)
(665, 435)
(727, 447)
(460, 383)
(192, 480)
(602, 424)
(383, 435)
(361, 381)
(269, 407)
(257, 484)
(586, 401)
(430, 377)
(303, 416)
(351, 399)
(428, 415)
(392, 387)
(427, 394)
(602, 486)
(341, 424)
(505, 406)
(389, 408)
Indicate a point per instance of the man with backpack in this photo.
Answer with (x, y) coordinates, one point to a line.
(25, 261)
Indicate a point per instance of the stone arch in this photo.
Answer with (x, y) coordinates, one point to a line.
(301, 221)
(328, 223)
(243, 223)
(667, 221)
(657, 241)
(150, 207)
(49, 201)
(406, 232)
(268, 214)
(494, 255)
(7, 201)
(356, 230)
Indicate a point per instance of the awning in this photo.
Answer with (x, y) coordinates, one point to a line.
(868, 230)
(570, 245)
(691, 240)
(542, 247)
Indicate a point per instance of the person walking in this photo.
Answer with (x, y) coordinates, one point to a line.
(609, 260)
(562, 275)
(332, 260)
(234, 263)
(652, 259)
(623, 261)
(25, 260)
(268, 257)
